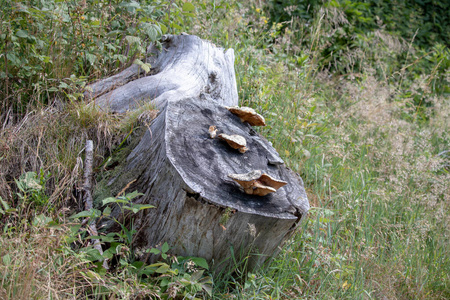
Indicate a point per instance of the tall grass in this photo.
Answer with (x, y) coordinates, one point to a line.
(372, 160)
(371, 145)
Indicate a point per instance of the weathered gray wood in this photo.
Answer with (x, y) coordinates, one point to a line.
(183, 172)
(87, 198)
(131, 73)
(186, 66)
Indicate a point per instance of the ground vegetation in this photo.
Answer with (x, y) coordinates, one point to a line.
(356, 99)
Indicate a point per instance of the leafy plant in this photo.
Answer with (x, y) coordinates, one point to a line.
(32, 188)
(172, 277)
(43, 42)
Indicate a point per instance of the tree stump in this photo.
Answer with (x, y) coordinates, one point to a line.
(200, 211)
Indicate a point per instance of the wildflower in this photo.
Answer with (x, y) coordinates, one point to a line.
(346, 285)
(258, 10)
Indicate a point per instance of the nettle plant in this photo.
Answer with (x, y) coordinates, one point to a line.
(45, 41)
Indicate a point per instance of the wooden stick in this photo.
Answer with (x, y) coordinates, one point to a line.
(88, 202)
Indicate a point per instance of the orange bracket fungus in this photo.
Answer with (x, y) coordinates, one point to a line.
(257, 183)
(235, 141)
(248, 114)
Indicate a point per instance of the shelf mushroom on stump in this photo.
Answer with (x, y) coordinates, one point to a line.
(184, 170)
(257, 183)
(235, 141)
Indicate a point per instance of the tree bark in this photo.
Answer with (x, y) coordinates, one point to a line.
(199, 210)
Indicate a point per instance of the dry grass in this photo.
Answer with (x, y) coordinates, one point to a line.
(34, 266)
(50, 142)
(36, 261)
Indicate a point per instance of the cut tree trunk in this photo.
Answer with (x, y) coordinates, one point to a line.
(184, 172)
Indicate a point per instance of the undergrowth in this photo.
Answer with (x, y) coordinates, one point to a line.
(371, 143)
(365, 125)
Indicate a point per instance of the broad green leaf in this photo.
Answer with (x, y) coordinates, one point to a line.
(141, 207)
(120, 57)
(74, 228)
(201, 262)
(155, 251)
(95, 22)
(41, 220)
(91, 58)
(93, 254)
(163, 28)
(153, 31)
(163, 269)
(6, 259)
(133, 195)
(207, 288)
(108, 254)
(133, 40)
(4, 204)
(110, 47)
(107, 211)
(187, 14)
(196, 275)
(87, 213)
(138, 62)
(176, 26)
(144, 66)
(188, 6)
(45, 59)
(82, 214)
(165, 247)
(22, 33)
(138, 264)
(63, 85)
(100, 269)
(113, 200)
(93, 275)
(156, 265)
(28, 181)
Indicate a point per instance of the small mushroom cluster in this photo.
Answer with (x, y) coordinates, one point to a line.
(257, 183)
(254, 182)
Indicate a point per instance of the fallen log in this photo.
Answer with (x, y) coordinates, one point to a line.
(188, 174)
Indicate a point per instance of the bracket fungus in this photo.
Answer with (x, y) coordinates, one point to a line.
(235, 141)
(248, 114)
(257, 183)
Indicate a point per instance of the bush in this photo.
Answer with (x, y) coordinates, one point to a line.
(43, 42)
